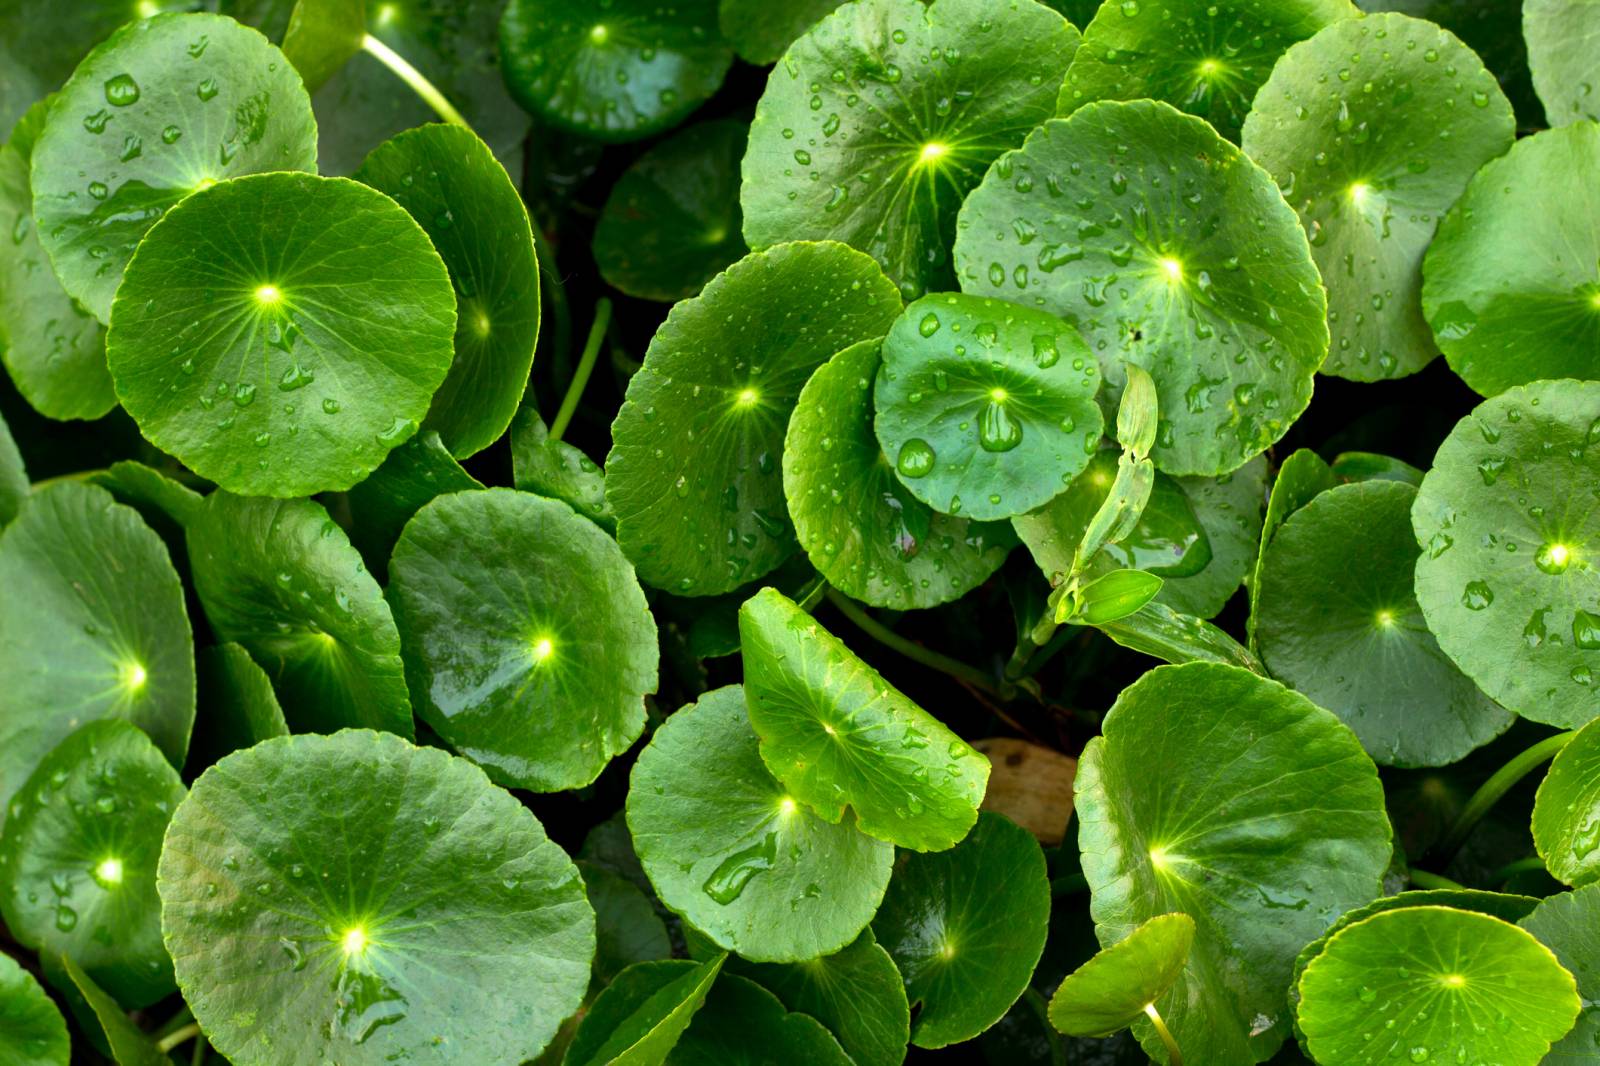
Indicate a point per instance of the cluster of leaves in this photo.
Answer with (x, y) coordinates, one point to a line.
(994, 328)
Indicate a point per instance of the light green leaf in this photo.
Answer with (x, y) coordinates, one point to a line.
(640, 1015)
(14, 485)
(1566, 811)
(1115, 595)
(1157, 630)
(1300, 477)
(1112, 989)
(1567, 924)
(129, 1045)
(323, 35)
(32, 1031)
(1563, 42)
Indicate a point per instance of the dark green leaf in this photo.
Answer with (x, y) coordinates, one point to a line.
(1367, 466)
(32, 1031)
(323, 35)
(1569, 925)
(416, 472)
(557, 469)
(760, 31)
(640, 1015)
(742, 1024)
(626, 927)
(1300, 477)
(129, 1045)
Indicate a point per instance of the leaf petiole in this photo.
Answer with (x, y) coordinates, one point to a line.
(414, 78)
(580, 376)
(1499, 783)
(178, 1036)
(1166, 1036)
(911, 650)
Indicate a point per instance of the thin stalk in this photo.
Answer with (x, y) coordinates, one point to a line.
(178, 1036)
(1511, 869)
(183, 1017)
(414, 78)
(1036, 1003)
(200, 1049)
(1424, 879)
(890, 639)
(1166, 1036)
(1499, 783)
(580, 376)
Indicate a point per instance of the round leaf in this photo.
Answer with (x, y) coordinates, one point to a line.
(1568, 924)
(1371, 166)
(78, 859)
(619, 71)
(280, 578)
(987, 408)
(1265, 820)
(1340, 623)
(729, 849)
(1563, 40)
(1438, 974)
(32, 1031)
(639, 1016)
(416, 472)
(53, 349)
(1167, 247)
(92, 625)
(238, 708)
(837, 735)
(1566, 811)
(541, 680)
(281, 333)
(1300, 477)
(698, 443)
(1512, 280)
(743, 1022)
(671, 222)
(556, 469)
(883, 117)
(966, 928)
(358, 899)
(1509, 575)
(1112, 989)
(1207, 58)
(626, 927)
(449, 181)
(161, 108)
(863, 531)
(760, 31)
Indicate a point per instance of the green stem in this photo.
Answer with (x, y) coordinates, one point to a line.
(200, 1049)
(890, 639)
(412, 77)
(1036, 1003)
(1511, 869)
(1166, 1036)
(178, 1036)
(1499, 783)
(183, 1017)
(1423, 879)
(580, 377)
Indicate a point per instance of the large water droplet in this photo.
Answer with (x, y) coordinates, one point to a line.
(916, 458)
(731, 876)
(122, 90)
(1478, 595)
(997, 430)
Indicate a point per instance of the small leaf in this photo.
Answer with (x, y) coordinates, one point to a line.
(129, 1045)
(31, 1027)
(238, 708)
(322, 36)
(1568, 923)
(1157, 630)
(1137, 412)
(1120, 511)
(1112, 989)
(641, 1014)
(1115, 595)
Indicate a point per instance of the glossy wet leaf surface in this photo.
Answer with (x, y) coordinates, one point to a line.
(743, 1023)
(78, 860)
(1206, 58)
(1339, 622)
(639, 1016)
(92, 625)
(618, 70)
(1164, 245)
(694, 473)
(965, 927)
(760, 32)
(1265, 823)
(1441, 975)
(540, 680)
(128, 1044)
(858, 523)
(32, 1029)
(557, 469)
(1566, 812)
(837, 735)
(1507, 578)
(1566, 923)
(280, 578)
(671, 223)
(281, 333)
(735, 853)
(413, 474)
(1370, 162)
(1512, 280)
(1302, 474)
(885, 114)
(163, 107)
(237, 707)
(1157, 630)
(986, 409)
(1112, 989)
(1563, 40)
(380, 900)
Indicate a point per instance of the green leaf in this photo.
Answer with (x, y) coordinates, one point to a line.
(322, 36)
(738, 856)
(556, 469)
(671, 223)
(618, 73)
(32, 1031)
(163, 107)
(1265, 818)
(881, 155)
(1207, 58)
(858, 523)
(1368, 466)
(1507, 579)
(698, 443)
(54, 351)
(994, 429)
(14, 487)
(314, 332)
(280, 578)
(837, 735)
(1114, 595)
(1566, 811)
(743, 1023)
(414, 473)
(1438, 974)
(1339, 622)
(449, 181)
(1510, 284)
(238, 708)
(1138, 412)
(1567, 924)
(626, 927)
(541, 681)
(1372, 169)
(1157, 630)
(1201, 275)
(378, 900)
(1563, 39)
(1112, 989)
(1300, 477)
(129, 1045)
(966, 927)
(92, 625)
(157, 497)
(1491, 29)
(760, 32)
(640, 1015)
(78, 859)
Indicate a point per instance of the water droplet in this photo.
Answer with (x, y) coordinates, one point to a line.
(916, 458)
(1478, 595)
(122, 90)
(244, 394)
(1585, 629)
(997, 430)
(731, 876)
(207, 89)
(929, 325)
